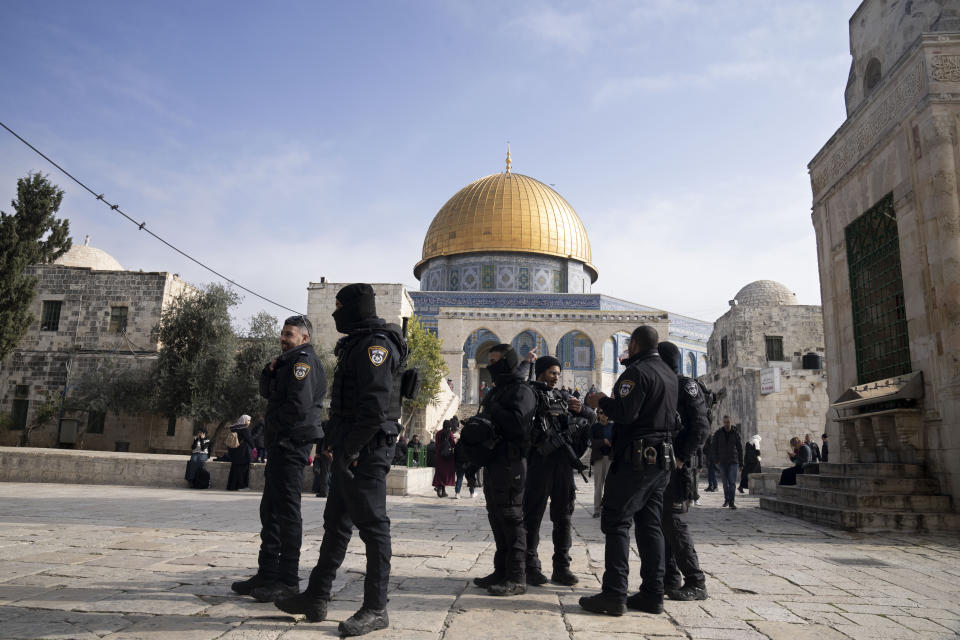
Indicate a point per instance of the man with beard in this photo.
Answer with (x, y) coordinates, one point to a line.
(510, 407)
(362, 431)
(294, 385)
(550, 473)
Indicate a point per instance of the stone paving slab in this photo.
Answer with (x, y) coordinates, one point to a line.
(136, 562)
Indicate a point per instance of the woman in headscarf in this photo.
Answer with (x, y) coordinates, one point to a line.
(239, 450)
(751, 461)
(444, 466)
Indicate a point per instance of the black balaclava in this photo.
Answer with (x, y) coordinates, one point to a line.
(506, 364)
(670, 354)
(545, 362)
(359, 304)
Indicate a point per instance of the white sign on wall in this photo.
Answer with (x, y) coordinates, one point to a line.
(769, 380)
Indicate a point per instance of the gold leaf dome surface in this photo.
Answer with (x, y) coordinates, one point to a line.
(507, 212)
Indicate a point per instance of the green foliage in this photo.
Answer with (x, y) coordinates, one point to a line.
(198, 356)
(425, 355)
(260, 345)
(45, 411)
(32, 234)
(115, 386)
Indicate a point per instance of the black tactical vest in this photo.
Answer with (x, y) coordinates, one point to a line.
(343, 395)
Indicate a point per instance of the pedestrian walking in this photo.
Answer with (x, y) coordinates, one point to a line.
(727, 450)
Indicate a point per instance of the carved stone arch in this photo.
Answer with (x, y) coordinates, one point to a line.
(530, 339)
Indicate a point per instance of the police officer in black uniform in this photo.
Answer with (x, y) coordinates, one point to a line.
(361, 437)
(294, 385)
(550, 474)
(680, 554)
(643, 408)
(510, 406)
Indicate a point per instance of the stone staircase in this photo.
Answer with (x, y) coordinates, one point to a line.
(865, 497)
(467, 411)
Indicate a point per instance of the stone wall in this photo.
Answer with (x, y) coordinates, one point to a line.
(799, 408)
(26, 464)
(902, 139)
(801, 404)
(47, 362)
(393, 305)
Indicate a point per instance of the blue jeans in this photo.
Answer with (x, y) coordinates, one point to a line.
(728, 475)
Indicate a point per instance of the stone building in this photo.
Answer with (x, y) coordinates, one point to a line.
(89, 312)
(886, 211)
(766, 363)
(508, 260)
(887, 216)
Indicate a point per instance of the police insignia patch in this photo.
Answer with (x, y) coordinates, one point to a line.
(625, 388)
(693, 388)
(377, 355)
(300, 370)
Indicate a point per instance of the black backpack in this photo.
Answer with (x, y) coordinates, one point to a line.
(479, 438)
(444, 450)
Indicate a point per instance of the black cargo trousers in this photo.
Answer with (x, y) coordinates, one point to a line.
(679, 553)
(633, 497)
(549, 477)
(281, 531)
(504, 480)
(361, 501)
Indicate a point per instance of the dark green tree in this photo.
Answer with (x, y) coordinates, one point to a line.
(260, 345)
(198, 356)
(32, 234)
(425, 355)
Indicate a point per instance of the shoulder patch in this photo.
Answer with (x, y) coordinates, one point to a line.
(693, 390)
(378, 355)
(625, 388)
(300, 370)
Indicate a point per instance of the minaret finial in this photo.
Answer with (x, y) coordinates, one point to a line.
(508, 157)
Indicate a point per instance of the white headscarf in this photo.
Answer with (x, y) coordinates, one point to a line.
(756, 440)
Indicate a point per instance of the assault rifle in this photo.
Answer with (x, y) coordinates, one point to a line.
(552, 429)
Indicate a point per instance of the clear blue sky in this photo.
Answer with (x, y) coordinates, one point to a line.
(286, 141)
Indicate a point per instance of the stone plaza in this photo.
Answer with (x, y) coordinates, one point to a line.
(117, 562)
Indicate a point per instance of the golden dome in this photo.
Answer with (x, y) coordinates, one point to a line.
(507, 212)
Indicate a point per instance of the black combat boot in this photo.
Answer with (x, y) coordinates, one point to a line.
(245, 587)
(507, 588)
(605, 603)
(646, 603)
(314, 608)
(364, 621)
(563, 575)
(535, 578)
(690, 592)
(486, 581)
(273, 591)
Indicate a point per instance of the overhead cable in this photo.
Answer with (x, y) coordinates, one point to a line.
(142, 226)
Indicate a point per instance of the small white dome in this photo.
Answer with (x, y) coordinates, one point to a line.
(83, 255)
(765, 293)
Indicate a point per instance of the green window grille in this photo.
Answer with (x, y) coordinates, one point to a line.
(118, 320)
(876, 294)
(50, 315)
(774, 348)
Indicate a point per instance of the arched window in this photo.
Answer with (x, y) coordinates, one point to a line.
(871, 77)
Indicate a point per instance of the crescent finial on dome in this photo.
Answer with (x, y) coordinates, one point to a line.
(508, 157)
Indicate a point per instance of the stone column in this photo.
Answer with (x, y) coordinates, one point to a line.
(471, 395)
(597, 377)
